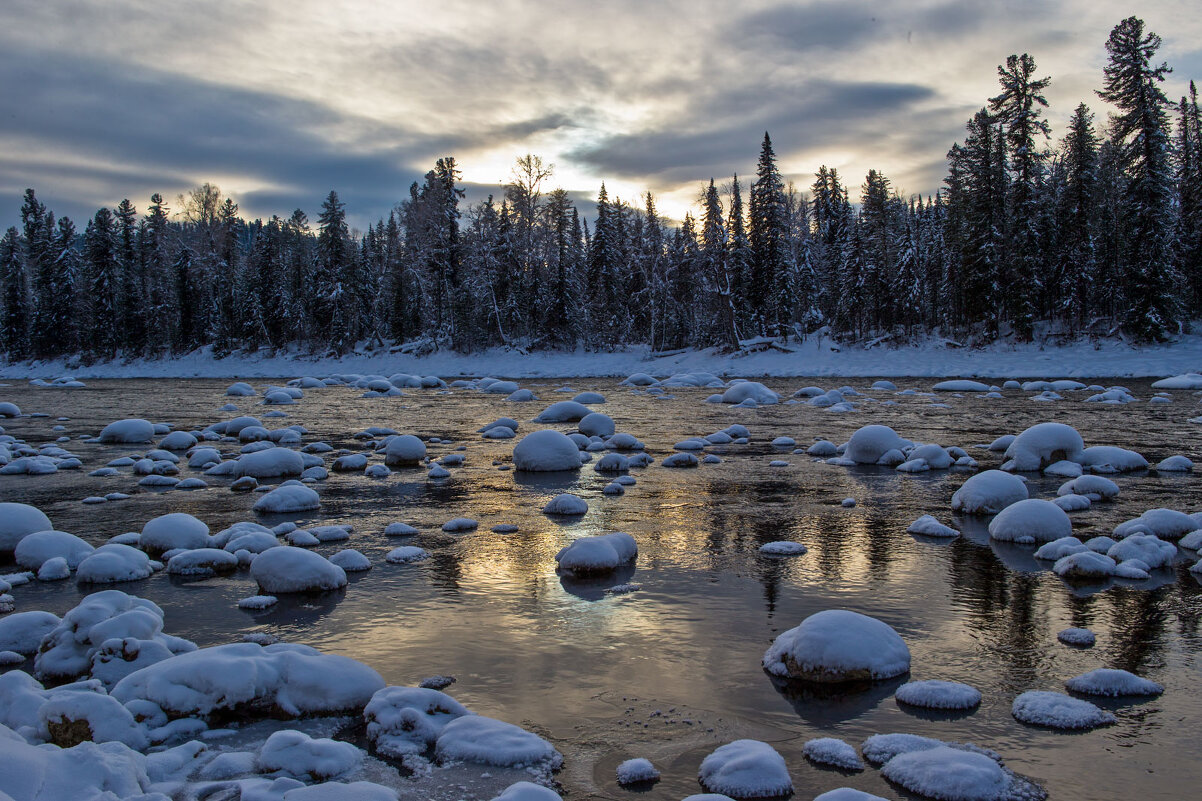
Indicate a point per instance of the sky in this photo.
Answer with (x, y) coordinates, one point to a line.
(278, 103)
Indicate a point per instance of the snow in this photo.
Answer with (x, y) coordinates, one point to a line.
(105, 718)
(1175, 464)
(1058, 711)
(174, 530)
(202, 562)
(928, 526)
(406, 554)
(23, 631)
(745, 769)
(750, 390)
(566, 504)
(783, 548)
(527, 791)
(596, 424)
(682, 459)
(1095, 488)
(868, 444)
(838, 645)
(271, 463)
(633, 771)
(1109, 459)
(458, 524)
(404, 450)
(335, 791)
(988, 492)
(475, 738)
(1147, 548)
(282, 679)
(288, 498)
(1082, 638)
(563, 412)
(948, 774)
(408, 720)
(962, 385)
(351, 561)
(1167, 524)
(1185, 381)
(1058, 549)
(1043, 444)
(546, 451)
(822, 448)
(833, 752)
(847, 794)
(297, 755)
(258, 602)
(1084, 565)
(601, 554)
(1111, 682)
(36, 548)
(18, 520)
(112, 563)
(88, 771)
(880, 748)
(288, 569)
(399, 530)
(938, 694)
(1032, 520)
(130, 431)
(1072, 503)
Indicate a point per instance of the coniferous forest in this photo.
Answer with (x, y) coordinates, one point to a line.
(1094, 230)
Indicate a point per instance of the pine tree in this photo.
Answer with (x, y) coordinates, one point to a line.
(331, 262)
(1189, 193)
(14, 297)
(770, 249)
(740, 257)
(38, 226)
(601, 285)
(1017, 109)
(1078, 214)
(715, 253)
(559, 320)
(104, 284)
(1140, 131)
(832, 221)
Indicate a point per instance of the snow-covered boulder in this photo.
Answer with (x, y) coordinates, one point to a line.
(637, 771)
(832, 752)
(288, 498)
(176, 530)
(35, 549)
(1167, 524)
(287, 569)
(22, 632)
(1147, 548)
(271, 463)
(639, 380)
(951, 774)
(1184, 381)
(597, 555)
(112, 563)
(408, 720)
(1030, 521)
(961, 385)
(71, 718)
(284, 680)
(750, 390)
(596, 424)
(1058, 549)
(1058, 711)
(937, 694)
(989, 492)
(9, 409)
(18, 520)
(837, 645)
(928, 526)
(1112, 683)
(404, 450)
(1043, 444)
(299, 756)
(1081, 638)
(202, 563)
(1095, 488)
(128, 432)
(475, 738)
(566, 504)
(745, 769)
(563, 412)
(783, 548)
(528, 791)
(870, 443)
(1110, 459)
(177, 441)
(240, 389)
(546, 451)
(1084, 565)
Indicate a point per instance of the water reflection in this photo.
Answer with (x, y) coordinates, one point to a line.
(825, 705)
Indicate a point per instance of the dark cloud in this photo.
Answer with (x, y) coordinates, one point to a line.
(724, 131)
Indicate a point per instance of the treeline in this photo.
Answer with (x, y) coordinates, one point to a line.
(1097, 232)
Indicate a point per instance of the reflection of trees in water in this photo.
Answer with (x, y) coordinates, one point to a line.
(1139, 628)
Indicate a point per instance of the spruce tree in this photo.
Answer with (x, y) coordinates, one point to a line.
(769, 240)
(1189, 193)
(1141, 133)
(1078, 214)
(104, 284)
(332, 258)
(14, 298)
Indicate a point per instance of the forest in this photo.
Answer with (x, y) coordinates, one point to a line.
(1093, 232)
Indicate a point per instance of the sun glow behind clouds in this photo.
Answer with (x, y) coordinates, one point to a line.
(362, 97)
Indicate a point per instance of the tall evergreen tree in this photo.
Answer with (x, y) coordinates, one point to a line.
(1141, 133)
(1189, 193)
(104, 283)
(14, 298)
(769, 240)
(1078, 212)
(333, 257)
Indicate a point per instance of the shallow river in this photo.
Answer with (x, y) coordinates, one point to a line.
(672, 670)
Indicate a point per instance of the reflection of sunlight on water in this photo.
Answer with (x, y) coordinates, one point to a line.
(527, 644)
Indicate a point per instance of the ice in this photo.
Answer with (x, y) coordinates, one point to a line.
(870, 443)
(948, 774)
(112, 563)
(1058, 711)
(937, 694)
(1082, 638)
(475, 738)
(1043, 444)
(175, 530)
(634, 771)
(783, 548)
(566, 504)
(527, 791)
(837, 645)
(404, 450)
(17, 520)
(597, 555)
(408, 720)
(1032, 520)
(546, 451)
(288, 569)
(745, 769)
(928, 526)
(989, 492)
(297, 755)
(833, 752)
(128, 432)
(23, 631)
(36, 548)
(282, 680)
(288, 498)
